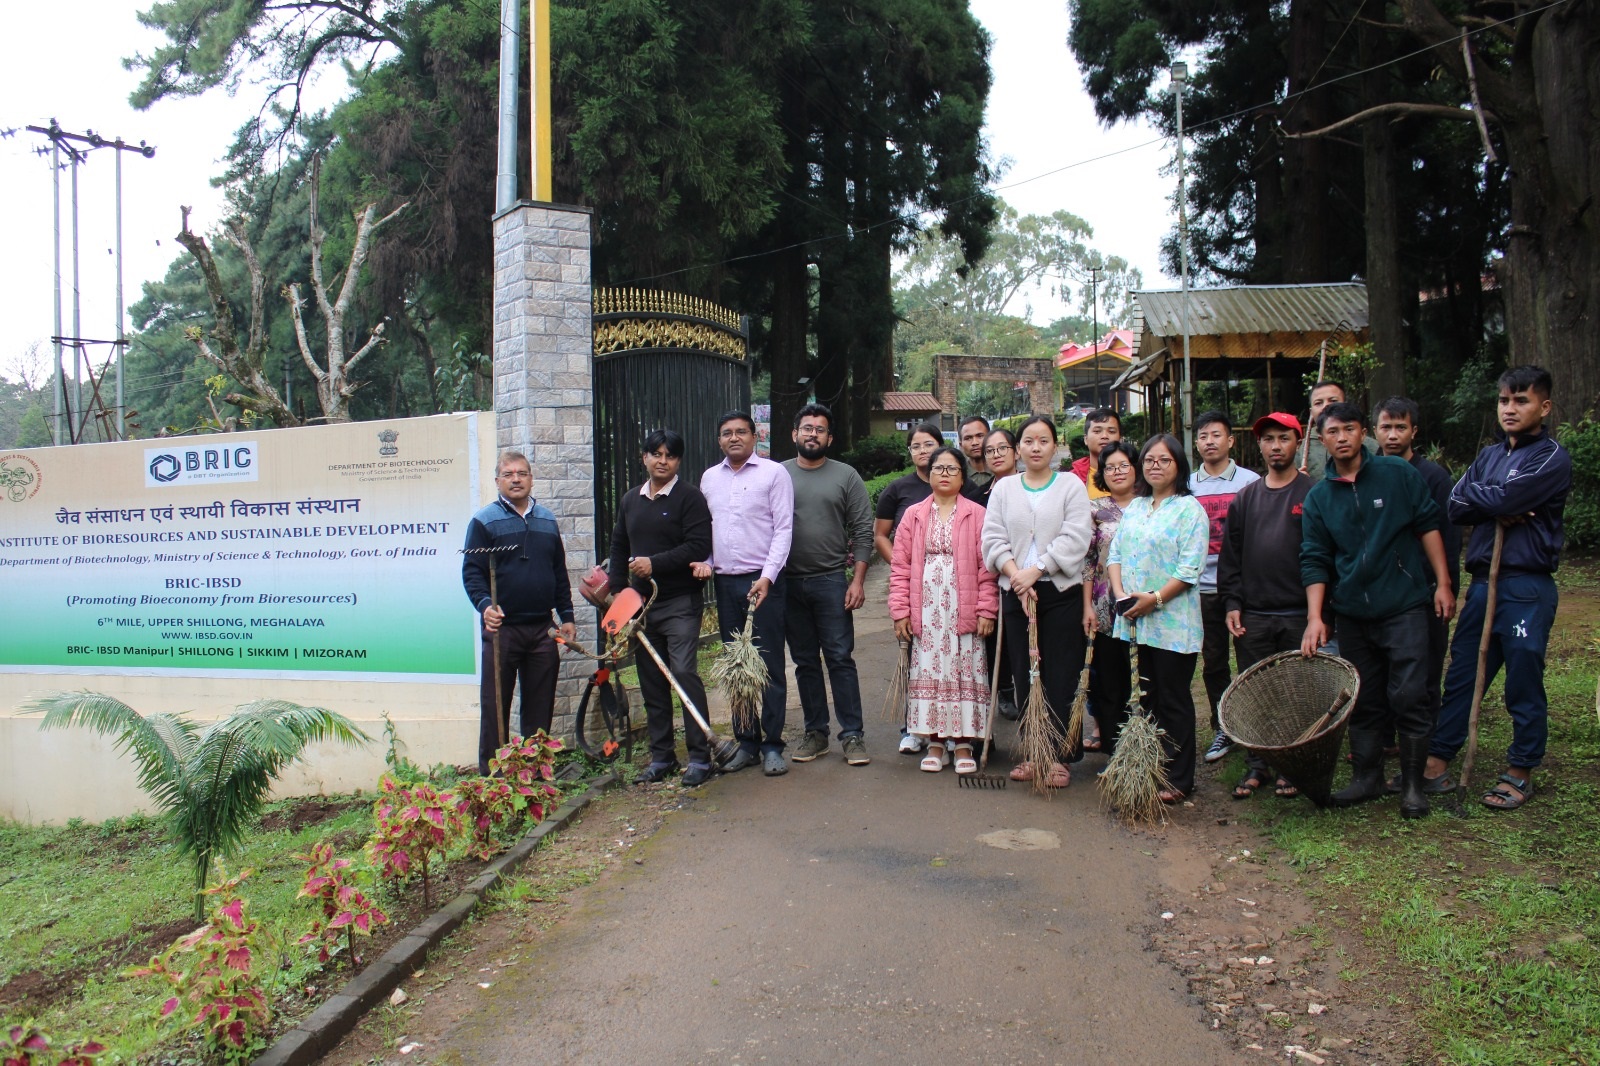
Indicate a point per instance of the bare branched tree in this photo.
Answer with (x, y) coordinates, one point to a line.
(245, 365)
(334, 384)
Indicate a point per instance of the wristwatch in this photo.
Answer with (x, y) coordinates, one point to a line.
(1160, 603)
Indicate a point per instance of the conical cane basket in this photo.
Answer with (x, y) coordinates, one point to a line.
(1293, 711)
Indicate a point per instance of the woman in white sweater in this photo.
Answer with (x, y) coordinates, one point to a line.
(1035, 534)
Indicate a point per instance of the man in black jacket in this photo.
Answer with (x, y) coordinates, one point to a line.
(1520, 483)
(531, 577)
(663, 526)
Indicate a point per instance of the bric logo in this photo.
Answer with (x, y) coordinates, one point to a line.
(205, 464)
(19, 477)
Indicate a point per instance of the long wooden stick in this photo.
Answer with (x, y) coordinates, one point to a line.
(1480, 683)
(501, 712)
(994, 686)
(1305, 441)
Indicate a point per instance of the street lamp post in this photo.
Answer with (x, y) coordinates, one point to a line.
(1180, 75)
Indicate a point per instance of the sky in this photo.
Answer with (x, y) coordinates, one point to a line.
(64, 62)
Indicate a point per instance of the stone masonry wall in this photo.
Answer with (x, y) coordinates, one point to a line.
(543, 386)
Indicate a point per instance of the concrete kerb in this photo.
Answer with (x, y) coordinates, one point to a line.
(338, 1015)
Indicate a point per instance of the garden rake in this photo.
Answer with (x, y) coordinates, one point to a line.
(501, 711)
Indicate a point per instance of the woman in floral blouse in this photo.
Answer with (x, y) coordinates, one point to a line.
(1117, 475)
(1155, 560)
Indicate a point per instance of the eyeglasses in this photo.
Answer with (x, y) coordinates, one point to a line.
(925, 446)
(513, 475)
(811, 431)
(735, 433)
(1000, 450)
(1120, 468)
(1159, 462)
(945, 470)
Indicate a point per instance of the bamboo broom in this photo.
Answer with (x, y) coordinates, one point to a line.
(894, 700)
(1080, 702)
(1041, 737)
(1135, 777)
(739, 671)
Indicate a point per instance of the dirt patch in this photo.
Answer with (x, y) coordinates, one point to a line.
(38, 989)
(308, 813)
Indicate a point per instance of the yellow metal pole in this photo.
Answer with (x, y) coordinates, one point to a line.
(539, 61)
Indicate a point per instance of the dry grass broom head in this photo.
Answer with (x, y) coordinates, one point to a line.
(741, 673)
(1134, 779)
(1080, 704)
(894, 700)
(1041, 740)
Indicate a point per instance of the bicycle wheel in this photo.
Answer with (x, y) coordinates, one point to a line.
(604, 726)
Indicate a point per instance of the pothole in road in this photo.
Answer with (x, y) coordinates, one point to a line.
(1021, 840)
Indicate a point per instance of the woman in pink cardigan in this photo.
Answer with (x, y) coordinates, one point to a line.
(944, 600)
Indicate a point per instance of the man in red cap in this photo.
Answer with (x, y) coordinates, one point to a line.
(1258, 570)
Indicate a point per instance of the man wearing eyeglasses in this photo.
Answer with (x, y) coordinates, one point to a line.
(530, 569)
(752, 523)
(832, 532)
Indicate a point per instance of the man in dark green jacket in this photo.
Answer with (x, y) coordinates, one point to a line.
(1371, 531)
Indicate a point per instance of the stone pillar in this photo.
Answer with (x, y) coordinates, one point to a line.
(543, 383)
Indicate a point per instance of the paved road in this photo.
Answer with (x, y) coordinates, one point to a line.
(844, 914)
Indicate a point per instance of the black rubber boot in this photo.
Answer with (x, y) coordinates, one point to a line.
(1413, 761)
(1366, 781)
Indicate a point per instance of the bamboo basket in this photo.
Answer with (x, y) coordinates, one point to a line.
(1293, 711)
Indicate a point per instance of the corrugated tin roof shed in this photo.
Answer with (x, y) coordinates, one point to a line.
(910, 402)
(1256, 309)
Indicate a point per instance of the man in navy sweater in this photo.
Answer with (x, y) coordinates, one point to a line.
(664, 526)
(531, 578)
(1520, 482)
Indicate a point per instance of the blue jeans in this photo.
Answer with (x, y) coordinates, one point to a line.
(1525, 608)
(733, 603)
(820, 630)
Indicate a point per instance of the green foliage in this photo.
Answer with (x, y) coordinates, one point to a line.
(486, 804)
(528, 764)
(346, 911)
(210, 784)
(873, 456)
(876, 485)
(27, 1045)
(216, 972)
(417, 824)
(1582, 441)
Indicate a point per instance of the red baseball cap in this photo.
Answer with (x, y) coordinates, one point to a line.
(1278, 418)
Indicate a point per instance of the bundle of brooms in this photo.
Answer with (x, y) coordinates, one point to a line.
(1134, 778)
(741, 673)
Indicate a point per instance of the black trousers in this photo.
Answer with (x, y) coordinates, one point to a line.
(1165, 678)
(733, 604)
(1110, 688)
(1392, 657)
(673, 629)
(1214, 670)
(1061, 649)
(527, 655)
(1264, 635)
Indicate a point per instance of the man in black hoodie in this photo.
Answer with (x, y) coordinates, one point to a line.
(1520, 482)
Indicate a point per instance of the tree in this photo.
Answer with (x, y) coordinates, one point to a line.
(209, 784)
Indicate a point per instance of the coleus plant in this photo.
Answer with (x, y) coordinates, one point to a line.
(346, 911)
(27, 1045)
(485, 803)
(416, 823)
(213, 976)
(528, 765)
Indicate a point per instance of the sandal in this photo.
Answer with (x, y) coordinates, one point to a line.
(1023, 771)
(1248, 784)
(1285, 789)
(935, 760)
(1170, 796)
(965, 763)
(1058, 777)
(1092, 743)
(1510, 794)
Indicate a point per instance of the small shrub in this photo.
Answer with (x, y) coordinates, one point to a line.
(528, 765)
(213, 970)
(1582, 517)
(486, 803)
(27, 1045)
(876, 486)
(872, 456)
(416, 824)
(346, 911)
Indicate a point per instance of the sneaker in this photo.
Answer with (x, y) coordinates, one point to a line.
(1221, 744)
(855, 751)
(656, 772)
(814, 744)
(773, 764)
(910, 744)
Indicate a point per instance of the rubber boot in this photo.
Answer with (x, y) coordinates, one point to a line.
(1366, 780)
(1413, 761)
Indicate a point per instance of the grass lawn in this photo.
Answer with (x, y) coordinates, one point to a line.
(1488, 926)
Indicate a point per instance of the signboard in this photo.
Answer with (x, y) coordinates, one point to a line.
(300, 553)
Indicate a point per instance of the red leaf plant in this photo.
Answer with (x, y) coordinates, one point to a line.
(27, 1045)
(346, 911)
(212, 974)
(485, 803)
(528, 764)
(416, 823)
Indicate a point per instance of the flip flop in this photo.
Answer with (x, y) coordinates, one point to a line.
(1503, 798)
(1285, 789)
(1244, 789)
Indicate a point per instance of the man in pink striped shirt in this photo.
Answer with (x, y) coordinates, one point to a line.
(752, 522)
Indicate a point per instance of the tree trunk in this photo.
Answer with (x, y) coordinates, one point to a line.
(1384, 285)
(1306, 185)
(786, 343)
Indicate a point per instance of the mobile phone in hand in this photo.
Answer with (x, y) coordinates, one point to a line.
(1122, 605)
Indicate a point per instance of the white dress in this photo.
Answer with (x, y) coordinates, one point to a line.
(948, 693)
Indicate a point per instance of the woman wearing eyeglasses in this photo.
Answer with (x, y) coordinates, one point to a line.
(1154, 563)
(944, 600)
(1117, 475)
(1035, 533)
(1000, 457)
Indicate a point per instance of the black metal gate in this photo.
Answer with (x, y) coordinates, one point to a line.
(662, 360)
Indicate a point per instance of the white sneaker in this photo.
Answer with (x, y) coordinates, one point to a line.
(910, 744)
